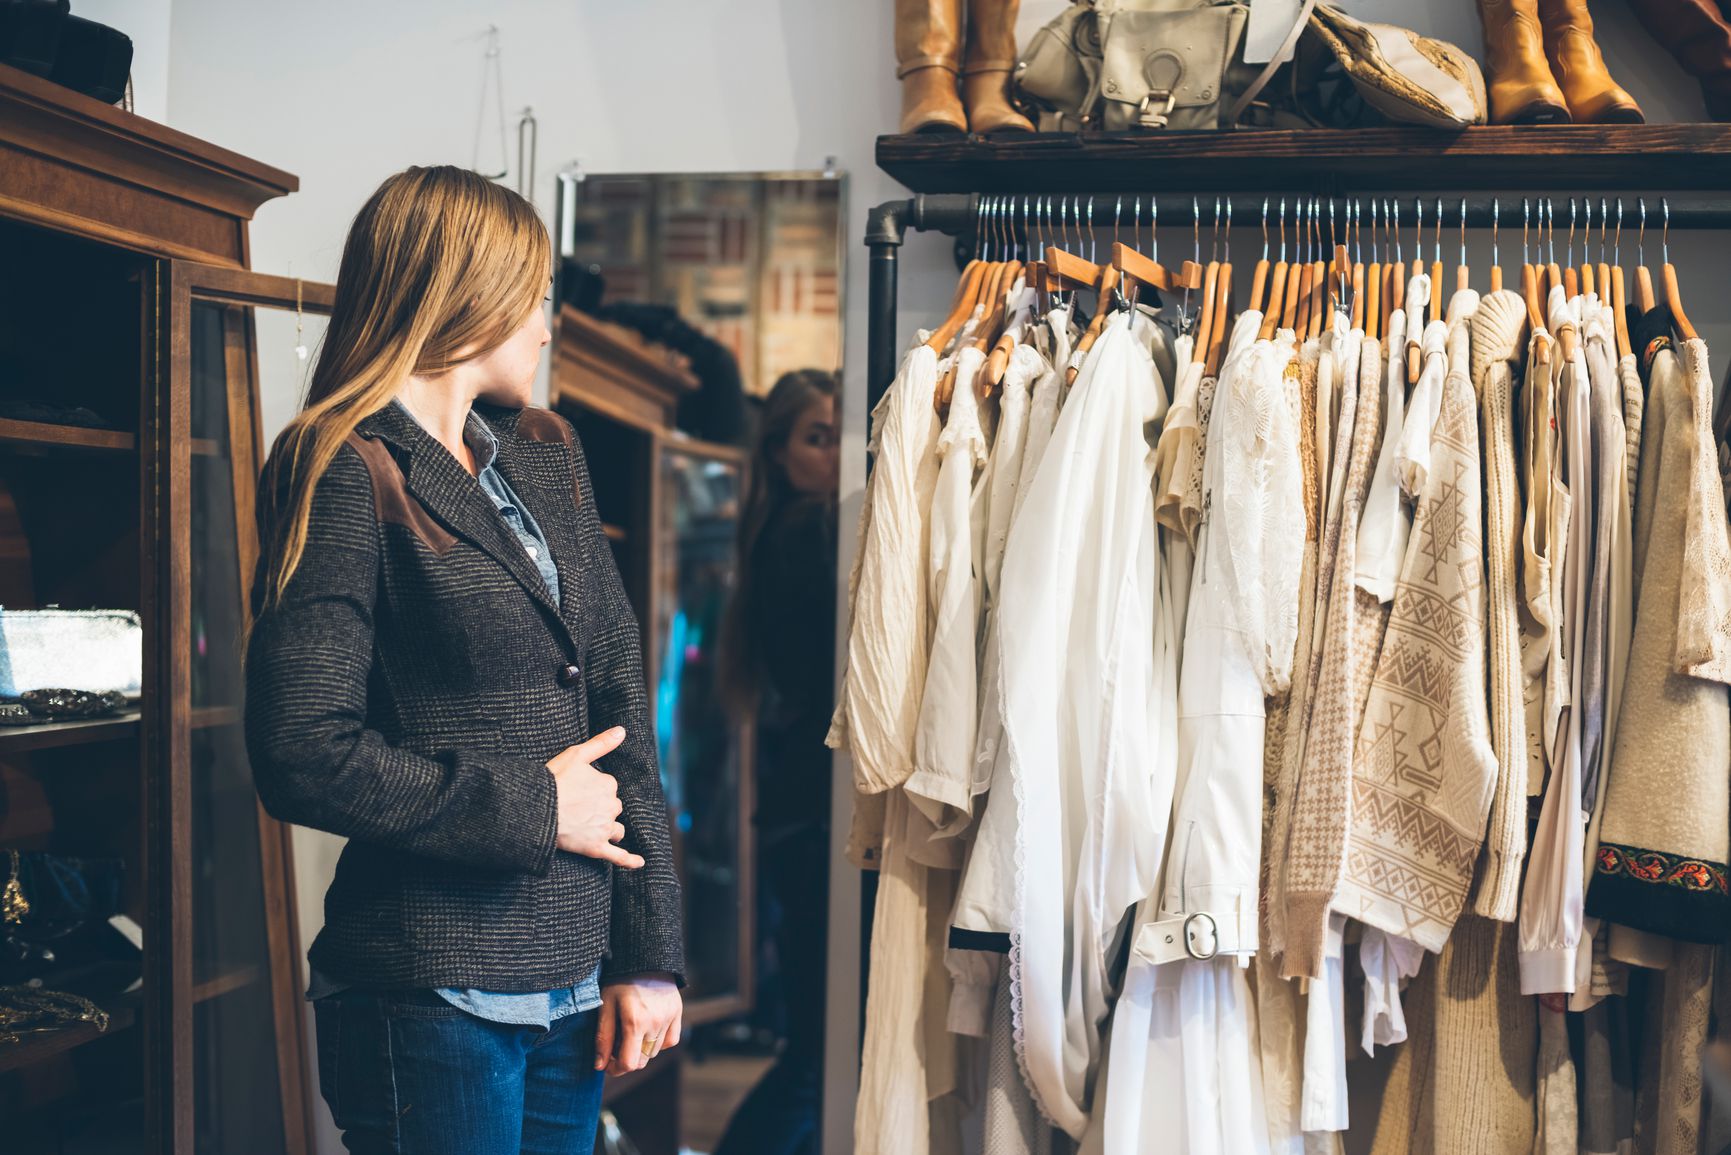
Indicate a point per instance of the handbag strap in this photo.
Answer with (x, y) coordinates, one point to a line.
(1273, 66)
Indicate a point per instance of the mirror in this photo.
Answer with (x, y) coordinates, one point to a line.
(697, 345)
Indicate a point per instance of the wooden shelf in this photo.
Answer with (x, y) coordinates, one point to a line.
(209, 717)
(17, 739)
(44, 435)
(614, 532)
(226, 984)
(1539, 157)
(122, 1013)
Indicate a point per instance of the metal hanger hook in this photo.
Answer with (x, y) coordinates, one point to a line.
(1665, 243)
(1641, 238)
(1496, 228)
(1463, 232)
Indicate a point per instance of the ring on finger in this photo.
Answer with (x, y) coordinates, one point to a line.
(651, 1045)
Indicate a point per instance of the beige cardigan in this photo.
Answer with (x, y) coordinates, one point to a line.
(1665, 834)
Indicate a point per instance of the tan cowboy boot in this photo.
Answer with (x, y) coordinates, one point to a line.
(928, 55)
(1522, 90)
(986, 72)
(1594, 98)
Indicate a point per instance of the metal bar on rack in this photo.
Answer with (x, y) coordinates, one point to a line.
(955, 214)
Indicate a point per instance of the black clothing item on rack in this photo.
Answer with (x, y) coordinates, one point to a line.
(1649, 332)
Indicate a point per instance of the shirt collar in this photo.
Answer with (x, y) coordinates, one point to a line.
(476, 435)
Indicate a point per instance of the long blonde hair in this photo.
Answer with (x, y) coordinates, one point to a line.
(439, 261)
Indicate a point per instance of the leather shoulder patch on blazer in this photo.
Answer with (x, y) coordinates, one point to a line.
(391, 500)
(537, 424)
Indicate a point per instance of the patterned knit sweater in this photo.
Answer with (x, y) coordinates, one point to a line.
(1316, 838)
(1424, 768)
(1497, 351)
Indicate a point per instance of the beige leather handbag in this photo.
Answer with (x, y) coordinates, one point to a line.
(1178, 64)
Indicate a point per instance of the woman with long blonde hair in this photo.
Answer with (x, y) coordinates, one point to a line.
(441, 658)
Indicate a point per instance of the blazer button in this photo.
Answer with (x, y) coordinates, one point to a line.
(568, 675)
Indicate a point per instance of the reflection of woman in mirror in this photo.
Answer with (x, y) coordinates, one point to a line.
(443, 668)
(780, 658)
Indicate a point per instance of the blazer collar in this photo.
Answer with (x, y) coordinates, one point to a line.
(455, 497)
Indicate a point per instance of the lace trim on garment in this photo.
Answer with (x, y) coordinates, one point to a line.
(1263, 508)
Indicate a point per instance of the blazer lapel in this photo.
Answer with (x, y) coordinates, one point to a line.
(539, 472)
(452, 495)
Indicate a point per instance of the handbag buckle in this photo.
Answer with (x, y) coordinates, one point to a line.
(1213, 936)
(1149, 117)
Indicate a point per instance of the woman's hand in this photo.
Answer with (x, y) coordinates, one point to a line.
(588, 801)
(640, 1018)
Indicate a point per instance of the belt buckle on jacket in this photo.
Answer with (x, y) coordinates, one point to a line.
(1213, 936)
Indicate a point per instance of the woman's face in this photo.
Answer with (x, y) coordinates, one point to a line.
(506, 375)
(812, 456)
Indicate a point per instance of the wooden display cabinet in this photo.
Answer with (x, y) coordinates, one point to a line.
(124, 291)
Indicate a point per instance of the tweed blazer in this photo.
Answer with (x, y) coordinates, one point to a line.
(407, 692)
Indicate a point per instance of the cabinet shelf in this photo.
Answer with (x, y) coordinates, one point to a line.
(209, 717)
(226, 983)
(44, 436)
(1600, 157)
(30, 1049)
(18, 739)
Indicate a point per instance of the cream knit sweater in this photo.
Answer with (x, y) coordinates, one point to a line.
(1423, 769)
(1497, 329)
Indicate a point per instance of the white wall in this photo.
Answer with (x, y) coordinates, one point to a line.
(344, 93)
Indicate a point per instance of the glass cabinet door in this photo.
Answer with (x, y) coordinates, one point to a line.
(239, 955)
(704, 750)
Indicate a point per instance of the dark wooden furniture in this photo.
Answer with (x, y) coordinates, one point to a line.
(671, 506)
(124, 290)
(1538, 157)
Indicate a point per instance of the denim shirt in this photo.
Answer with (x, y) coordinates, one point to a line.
(540, 1008)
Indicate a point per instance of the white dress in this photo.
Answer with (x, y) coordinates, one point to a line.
(1185, 1073)
(1082, 676)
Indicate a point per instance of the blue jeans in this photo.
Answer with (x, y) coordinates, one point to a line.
(407, 1073)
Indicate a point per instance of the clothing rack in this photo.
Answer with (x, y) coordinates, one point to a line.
(964, 216)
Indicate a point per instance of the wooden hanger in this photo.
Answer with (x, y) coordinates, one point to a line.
(1373, 314)
(1137, 272)
(1318, 297)
(1673, 294)
(993, 333)
(1279, 306)
(1294, 314)
(967, 299)
(1103, 289)
(1530, 290)
(1205, 327)
(1276, 300)
(1674, 298)
(1392, 289)
(1259, 274)
(1620, 311)
(1222, 309)
(1276, 286)
(990, 289)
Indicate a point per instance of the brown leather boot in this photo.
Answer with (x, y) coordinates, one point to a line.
(928, 55)
(1522, 90)
(1594, 98)
(1698, 35)
(986, 72)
